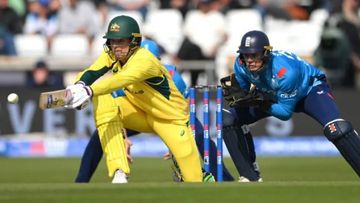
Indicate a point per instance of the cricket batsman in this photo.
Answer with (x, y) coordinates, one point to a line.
(93, 151)
(152, 103)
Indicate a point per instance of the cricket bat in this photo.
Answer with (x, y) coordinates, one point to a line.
(54, 99)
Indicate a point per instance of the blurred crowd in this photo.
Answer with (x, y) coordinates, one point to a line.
(203, 27)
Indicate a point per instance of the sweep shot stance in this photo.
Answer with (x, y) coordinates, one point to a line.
(93, 151)
(152, 104)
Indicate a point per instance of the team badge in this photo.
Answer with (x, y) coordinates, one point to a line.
(281, 72)
(247, 41)
(114, 27)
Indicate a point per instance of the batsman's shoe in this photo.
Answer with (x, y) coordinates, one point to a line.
(243, 179)
(119, 177)
(208, 177)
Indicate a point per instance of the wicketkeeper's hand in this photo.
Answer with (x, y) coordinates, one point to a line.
(231, 89)
(238, 97)
(80, 96)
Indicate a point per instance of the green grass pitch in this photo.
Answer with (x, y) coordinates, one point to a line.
(290, 179)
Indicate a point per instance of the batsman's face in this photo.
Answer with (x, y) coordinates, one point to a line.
(120, 47)
(254, 62)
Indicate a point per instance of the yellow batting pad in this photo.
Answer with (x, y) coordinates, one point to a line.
(112, 142)
(109, 124)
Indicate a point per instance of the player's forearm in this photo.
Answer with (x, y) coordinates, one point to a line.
(113, 83)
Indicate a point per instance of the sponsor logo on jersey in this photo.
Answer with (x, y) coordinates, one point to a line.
(289, 95)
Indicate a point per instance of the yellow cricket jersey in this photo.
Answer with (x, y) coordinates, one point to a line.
(147, 83)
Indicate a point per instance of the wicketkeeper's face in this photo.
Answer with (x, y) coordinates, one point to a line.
(254, 62)
(120, 47)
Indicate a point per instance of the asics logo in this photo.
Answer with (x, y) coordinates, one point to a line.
(320, 92)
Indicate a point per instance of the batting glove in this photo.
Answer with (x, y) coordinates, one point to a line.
(80, 96)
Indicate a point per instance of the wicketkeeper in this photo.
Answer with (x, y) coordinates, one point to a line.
(278, 83)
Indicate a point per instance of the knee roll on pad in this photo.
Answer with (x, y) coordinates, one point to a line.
(346, 140)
